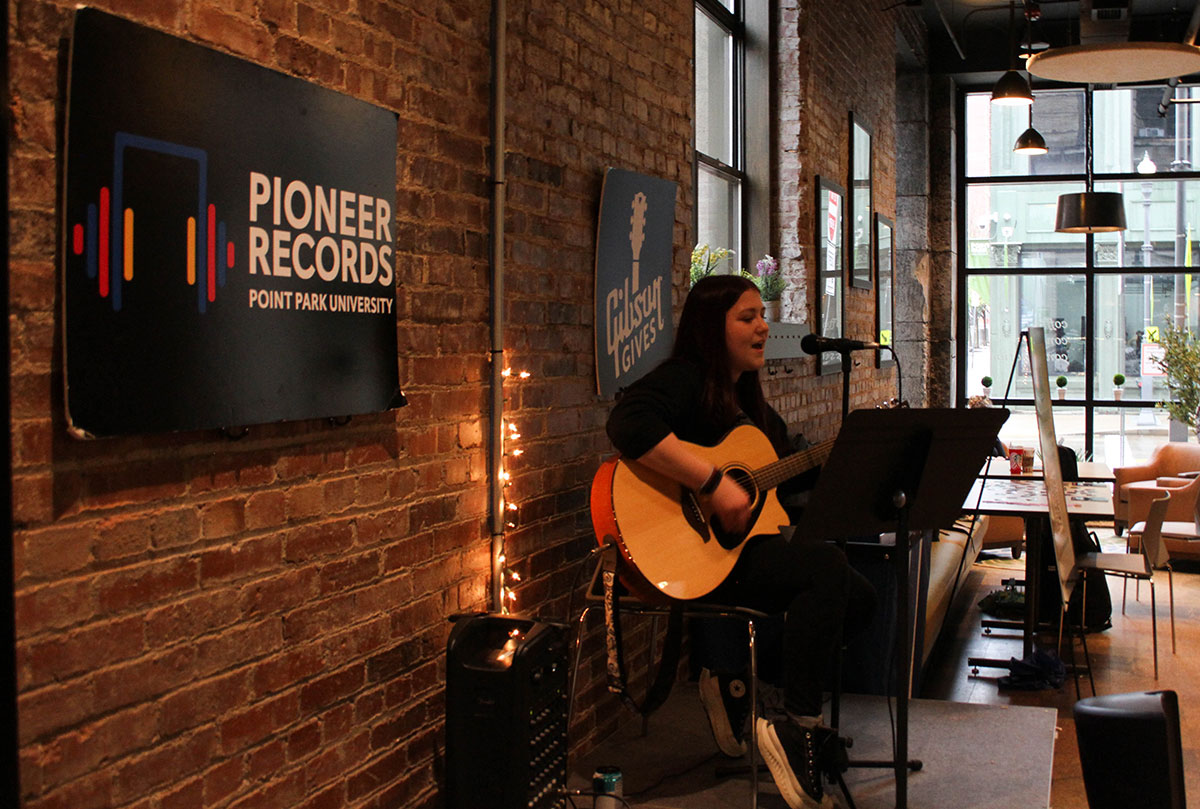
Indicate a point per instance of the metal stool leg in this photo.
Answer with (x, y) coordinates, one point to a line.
(650, 658)
(575, 666)
(750, 630)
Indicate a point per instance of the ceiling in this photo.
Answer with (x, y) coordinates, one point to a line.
(971, 38)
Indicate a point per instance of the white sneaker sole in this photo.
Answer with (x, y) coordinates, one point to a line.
(776, 760)
(710, 695)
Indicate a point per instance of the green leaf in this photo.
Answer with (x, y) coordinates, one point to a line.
(1181, 363)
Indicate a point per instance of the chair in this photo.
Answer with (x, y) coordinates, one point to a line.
(1138, 566)
(690, 609)
(1131, 750)
(1162, 470)
(1005, 532)
(1181, 525)
(1169, 532)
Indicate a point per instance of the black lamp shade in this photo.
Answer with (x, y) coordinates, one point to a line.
(1012, 89)
(1030, 142)
(1090, 212)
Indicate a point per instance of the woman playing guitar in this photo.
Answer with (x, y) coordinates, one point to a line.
(708, 386)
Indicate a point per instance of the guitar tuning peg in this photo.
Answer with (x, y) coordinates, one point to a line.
(787, 369)
(772, 370)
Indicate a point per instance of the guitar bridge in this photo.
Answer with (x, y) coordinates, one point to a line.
(694, 515)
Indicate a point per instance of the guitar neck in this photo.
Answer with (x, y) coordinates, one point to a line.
(771, 475)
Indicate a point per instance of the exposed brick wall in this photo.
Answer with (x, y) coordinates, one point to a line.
(832, 59)
(591, 85)
(261, 622)
(206, 622)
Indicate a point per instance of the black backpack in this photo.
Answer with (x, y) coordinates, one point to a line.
(1099, 601)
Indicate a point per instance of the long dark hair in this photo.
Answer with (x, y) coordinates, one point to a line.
(700, 338)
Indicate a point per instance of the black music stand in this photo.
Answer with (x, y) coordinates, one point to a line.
(897, 471)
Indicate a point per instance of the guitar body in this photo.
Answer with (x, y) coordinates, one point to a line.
(670, 547)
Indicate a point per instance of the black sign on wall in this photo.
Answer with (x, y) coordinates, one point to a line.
(228, 241)
(634, 330)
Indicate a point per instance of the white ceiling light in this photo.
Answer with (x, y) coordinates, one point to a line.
(1115, 62)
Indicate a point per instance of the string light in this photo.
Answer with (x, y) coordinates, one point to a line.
(510, 435)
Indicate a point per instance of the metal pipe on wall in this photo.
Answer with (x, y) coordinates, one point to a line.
(499, 63)
(10, 766)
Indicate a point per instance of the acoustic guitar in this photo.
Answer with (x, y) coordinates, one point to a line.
(671, 546)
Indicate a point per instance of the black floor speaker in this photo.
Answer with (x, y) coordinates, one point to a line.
(506, 720)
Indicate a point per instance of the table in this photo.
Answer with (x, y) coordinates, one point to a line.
(1025, 497)
(1088, 471)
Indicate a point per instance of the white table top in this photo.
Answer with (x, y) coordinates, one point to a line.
(1027, 496)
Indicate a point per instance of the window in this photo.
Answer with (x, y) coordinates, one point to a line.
(720, 154)
(1101, 299)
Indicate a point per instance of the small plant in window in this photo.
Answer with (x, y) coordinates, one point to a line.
(1061, 381)
(1118, 380)
(986, 382)
(768, 279)
(706, 260)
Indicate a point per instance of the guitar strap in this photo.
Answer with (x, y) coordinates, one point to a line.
(668, 665)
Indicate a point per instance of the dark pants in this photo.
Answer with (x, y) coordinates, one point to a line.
(822, 598)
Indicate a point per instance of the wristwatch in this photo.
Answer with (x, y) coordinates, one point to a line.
(714, 480)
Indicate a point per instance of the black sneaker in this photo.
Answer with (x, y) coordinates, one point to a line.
(792, 753)
(726, 700)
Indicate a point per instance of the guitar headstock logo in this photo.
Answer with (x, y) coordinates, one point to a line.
(105, 239)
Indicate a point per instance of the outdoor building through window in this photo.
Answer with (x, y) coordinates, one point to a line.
(1106, 300)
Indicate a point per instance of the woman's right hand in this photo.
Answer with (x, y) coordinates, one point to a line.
(731, 505)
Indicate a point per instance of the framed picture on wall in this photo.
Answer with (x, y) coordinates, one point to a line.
(830, 229)
(885, 273)
(858, 222)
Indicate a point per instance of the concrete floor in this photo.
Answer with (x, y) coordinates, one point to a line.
(675, 764)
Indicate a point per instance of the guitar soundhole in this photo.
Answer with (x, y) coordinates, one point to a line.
(731, 539)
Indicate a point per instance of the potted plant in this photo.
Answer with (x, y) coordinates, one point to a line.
(1181, 363)
(987, 386)
(1118, 386)
(1061, 381)
(705, 260)
(770, 283)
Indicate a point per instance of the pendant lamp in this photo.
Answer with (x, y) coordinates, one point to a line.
(1031, 141)
(1012, 89)
(1092, 211)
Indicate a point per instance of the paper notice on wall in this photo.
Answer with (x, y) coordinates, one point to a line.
(1152, 354)
(833, 220)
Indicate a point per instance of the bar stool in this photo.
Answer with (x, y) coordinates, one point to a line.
(631, 605)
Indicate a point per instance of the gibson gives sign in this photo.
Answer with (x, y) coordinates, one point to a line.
(633, 278)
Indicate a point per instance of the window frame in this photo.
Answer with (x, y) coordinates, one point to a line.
(733, 23)
(1095, 393)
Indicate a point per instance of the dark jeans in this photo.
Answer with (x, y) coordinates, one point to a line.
(822, 599)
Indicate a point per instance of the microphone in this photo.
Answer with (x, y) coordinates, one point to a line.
(816, 344)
